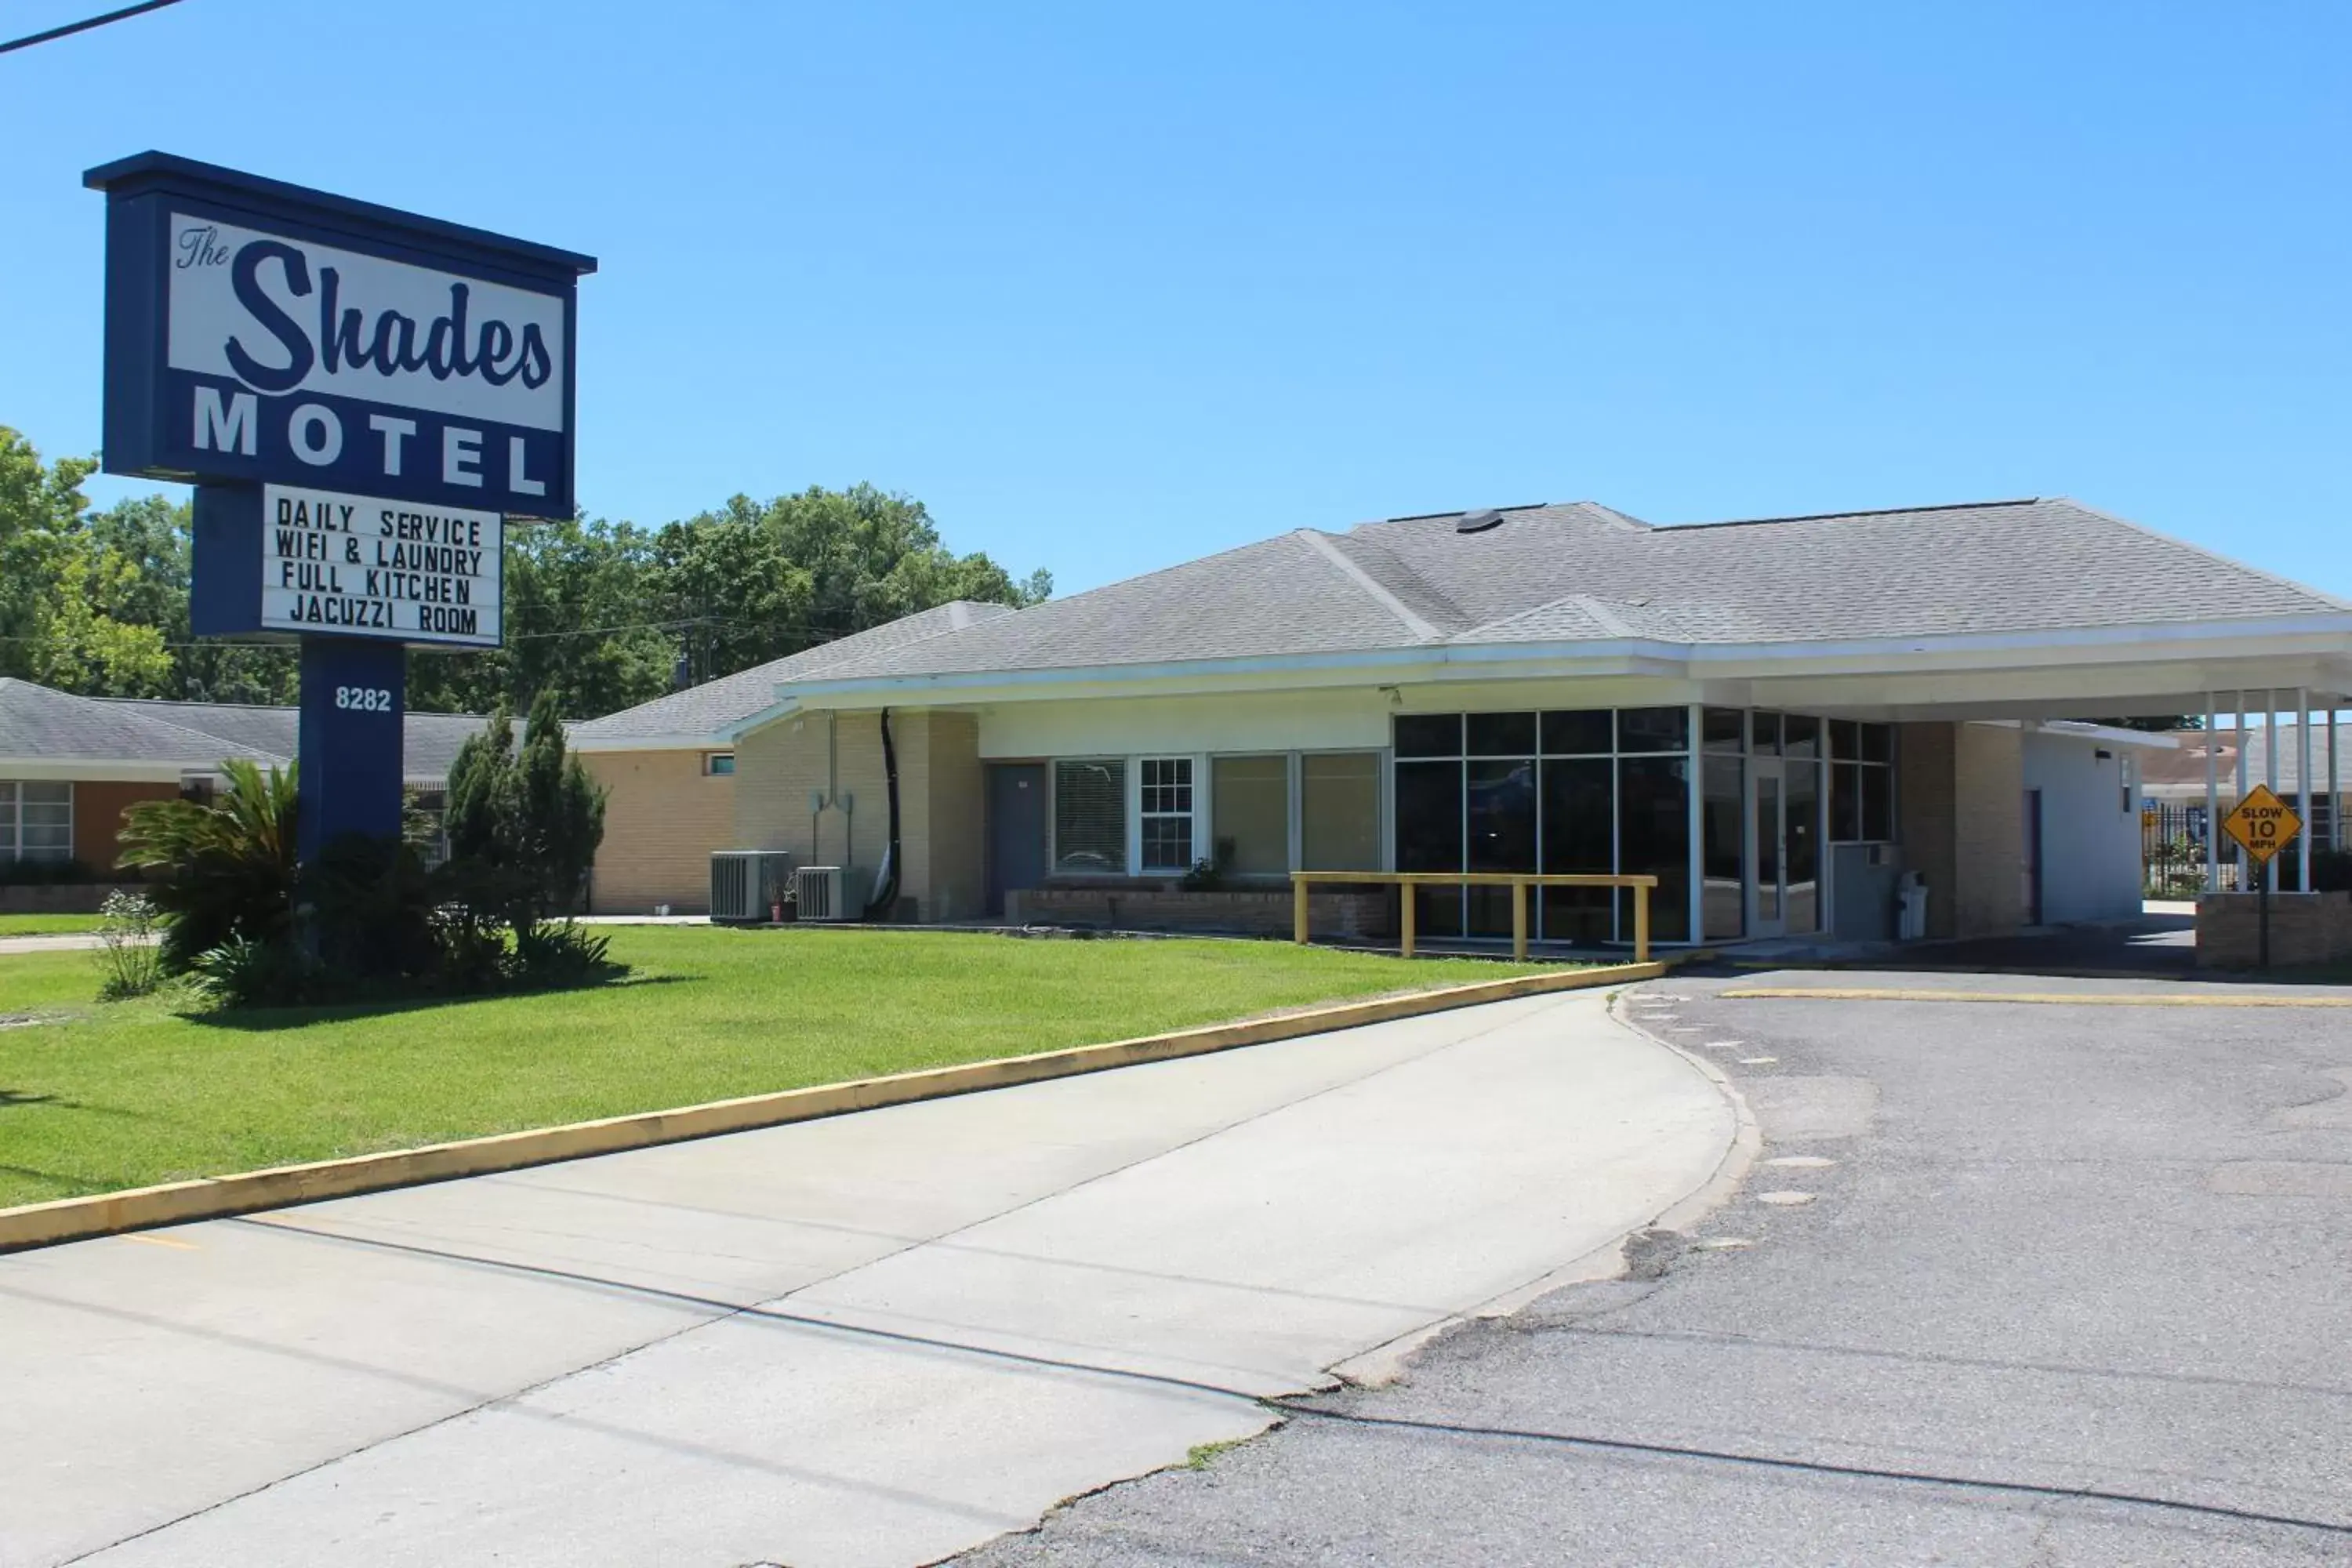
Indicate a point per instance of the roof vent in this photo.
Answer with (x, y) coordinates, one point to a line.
(1478, 521)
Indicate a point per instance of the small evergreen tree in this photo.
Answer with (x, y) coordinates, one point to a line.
(525, 823)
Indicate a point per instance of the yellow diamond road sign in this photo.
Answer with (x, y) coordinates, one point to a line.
(2263, 822)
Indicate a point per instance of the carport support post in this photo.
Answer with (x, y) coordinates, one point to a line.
(2303, 779)
(2245, 738)
(2212, 799)
(2335, 788)
(2270, 781)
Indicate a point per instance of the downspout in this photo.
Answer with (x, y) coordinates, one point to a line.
(886, 887)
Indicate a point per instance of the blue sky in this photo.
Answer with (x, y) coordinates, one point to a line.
(1110, 287)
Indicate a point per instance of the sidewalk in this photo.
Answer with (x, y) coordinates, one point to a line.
(876, 1340)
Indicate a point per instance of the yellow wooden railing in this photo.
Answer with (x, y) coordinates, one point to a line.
(1517, 881)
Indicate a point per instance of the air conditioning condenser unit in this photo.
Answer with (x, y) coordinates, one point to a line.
(746, 885)
(831, 892)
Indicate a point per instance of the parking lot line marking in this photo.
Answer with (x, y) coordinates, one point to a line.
(2058, 999)
(162, 1241)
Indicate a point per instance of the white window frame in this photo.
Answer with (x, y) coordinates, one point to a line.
(1194, 773)
(15, 849)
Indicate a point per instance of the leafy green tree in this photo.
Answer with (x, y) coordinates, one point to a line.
(40, 505)
(757, 579)
(81, 642)
(580, 623)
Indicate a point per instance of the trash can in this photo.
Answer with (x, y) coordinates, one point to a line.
(1910, 907)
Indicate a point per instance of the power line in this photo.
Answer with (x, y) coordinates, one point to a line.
(85, 25)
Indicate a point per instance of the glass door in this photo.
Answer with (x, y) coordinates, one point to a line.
(1768, 842)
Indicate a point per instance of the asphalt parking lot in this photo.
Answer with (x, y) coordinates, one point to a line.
(2012, 1284)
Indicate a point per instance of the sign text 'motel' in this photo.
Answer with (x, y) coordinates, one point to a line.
(362, 397)
(258, 331)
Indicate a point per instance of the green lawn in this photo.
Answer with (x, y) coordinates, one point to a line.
(45, 925)
(96, 1096)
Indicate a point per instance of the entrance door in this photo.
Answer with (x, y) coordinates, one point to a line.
(1016, 829)
(1767, 844)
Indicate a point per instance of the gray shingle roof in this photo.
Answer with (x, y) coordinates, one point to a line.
(706, 710)
(1582, 572)
(36, 723)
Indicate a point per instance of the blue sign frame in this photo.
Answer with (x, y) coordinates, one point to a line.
(225, 426)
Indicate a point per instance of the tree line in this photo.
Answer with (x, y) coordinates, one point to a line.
(600, 614)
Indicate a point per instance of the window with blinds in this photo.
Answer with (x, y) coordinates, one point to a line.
(1090, 817)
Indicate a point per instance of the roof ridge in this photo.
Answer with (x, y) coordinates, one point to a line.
(1323, 544)
(1876, 511)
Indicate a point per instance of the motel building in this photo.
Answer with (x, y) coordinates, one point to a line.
(1782, 720)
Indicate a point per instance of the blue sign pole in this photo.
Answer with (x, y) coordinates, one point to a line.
(354, 694)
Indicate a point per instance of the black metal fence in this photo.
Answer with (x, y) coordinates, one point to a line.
(2173, 851)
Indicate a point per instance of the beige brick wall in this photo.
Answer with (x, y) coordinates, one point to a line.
(662, 819)
(944, 841)
(939, 801)
(778, 765)
(1989, 830)
(1962, 823)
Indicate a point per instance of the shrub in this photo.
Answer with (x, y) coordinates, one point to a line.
(369, 910)
(247, 972)
(551, 957)
(129, 955)
(228, 867)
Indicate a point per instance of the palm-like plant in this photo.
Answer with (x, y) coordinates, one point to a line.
(229, 866)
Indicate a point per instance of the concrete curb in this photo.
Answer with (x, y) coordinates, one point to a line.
(216, 1197)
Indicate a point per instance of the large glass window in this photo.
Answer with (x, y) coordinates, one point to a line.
(1166, 813)
(1249, 813)
(1723, 827)
(1429, 817)
(1581, 733)
(1090, 817)
(1653, 836)
(1580, 838)
(35, 820)
(1654, 729)
(1502, 833)
(1501, 735)
(1340, 811)
(1429, 736)
(1862, 782)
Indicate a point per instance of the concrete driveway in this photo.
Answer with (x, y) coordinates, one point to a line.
(2013, 1286)
(879, 1339)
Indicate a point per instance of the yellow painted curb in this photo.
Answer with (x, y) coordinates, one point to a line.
(214, 1197)
(2053, 998)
